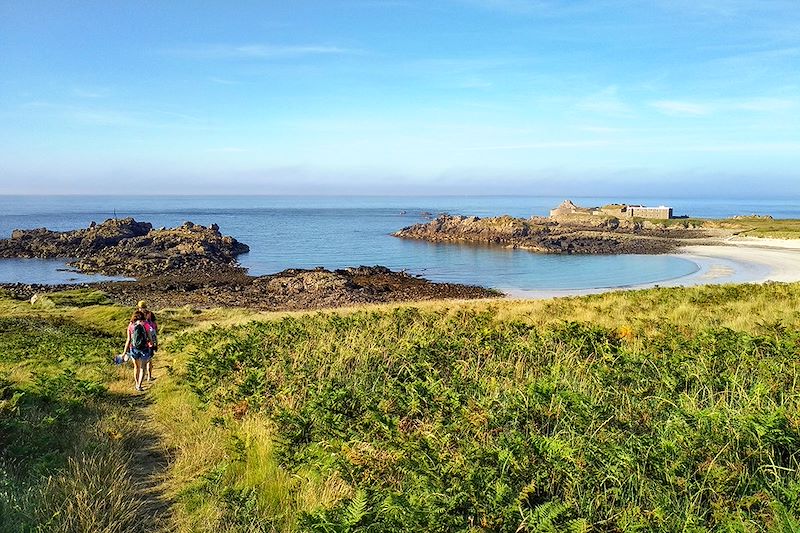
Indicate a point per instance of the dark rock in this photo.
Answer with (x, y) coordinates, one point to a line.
(292, 289)
(131, 248)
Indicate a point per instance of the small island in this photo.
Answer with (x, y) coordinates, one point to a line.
(125, 247)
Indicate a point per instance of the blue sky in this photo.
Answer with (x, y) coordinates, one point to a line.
(402, 97)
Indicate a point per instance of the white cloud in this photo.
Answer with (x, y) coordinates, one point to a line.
(681, 108)
(601, 129)
(695, 109)
(257, 51)
(222, 81)
(787, 147)
(606, 102)
(113, 117)
(229, 150)
(764, 105)
(544, 145)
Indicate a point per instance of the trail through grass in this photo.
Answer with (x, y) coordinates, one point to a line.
(657, 410)
(77, 451)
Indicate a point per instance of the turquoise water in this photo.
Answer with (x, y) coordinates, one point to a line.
(337, 232)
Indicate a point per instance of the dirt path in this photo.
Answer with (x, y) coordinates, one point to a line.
(150, 458)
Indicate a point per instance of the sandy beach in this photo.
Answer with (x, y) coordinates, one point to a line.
(744, 259)
(729, 260)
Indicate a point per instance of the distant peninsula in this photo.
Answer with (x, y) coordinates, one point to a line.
(611, 229)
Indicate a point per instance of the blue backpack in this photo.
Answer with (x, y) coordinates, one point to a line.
(139, 337)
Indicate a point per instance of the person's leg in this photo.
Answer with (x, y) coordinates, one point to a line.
(139, 373)
(136, 367)
(150, 367)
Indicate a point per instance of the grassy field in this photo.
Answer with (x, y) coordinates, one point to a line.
(72, 435)
(743, 226)
(657, 410)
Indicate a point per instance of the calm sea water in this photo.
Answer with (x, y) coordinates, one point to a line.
(336, 232)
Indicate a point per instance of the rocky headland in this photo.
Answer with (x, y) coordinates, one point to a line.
(196, 265)
(574, 234)
(125, 247)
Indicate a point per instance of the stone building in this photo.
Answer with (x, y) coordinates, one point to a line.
(567, 208)
(641, 211)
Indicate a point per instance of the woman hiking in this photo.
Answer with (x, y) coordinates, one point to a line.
(152, 328)
(138, 344)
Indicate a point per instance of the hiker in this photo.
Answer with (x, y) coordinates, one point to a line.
(152, 328)
(142, 306)
(138, 346)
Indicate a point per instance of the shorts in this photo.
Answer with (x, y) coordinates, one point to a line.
(141, 355)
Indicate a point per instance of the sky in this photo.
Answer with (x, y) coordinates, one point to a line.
(650, 97)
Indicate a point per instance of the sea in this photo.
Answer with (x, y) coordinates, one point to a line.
(343, 231)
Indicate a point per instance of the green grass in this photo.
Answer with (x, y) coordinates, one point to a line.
(746, 226)
(59, 470)
(506, 418)
(68, 428)
(65, 432)
(656, 410)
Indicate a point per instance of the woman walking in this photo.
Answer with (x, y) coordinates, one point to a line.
(138, 346)
(152, 328)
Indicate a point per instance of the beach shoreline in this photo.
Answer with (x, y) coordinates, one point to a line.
(722, 261)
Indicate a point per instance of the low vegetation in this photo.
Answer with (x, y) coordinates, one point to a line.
(743, 226)
(657, 410)
(63, 435)
(68, 423)
(496, 418)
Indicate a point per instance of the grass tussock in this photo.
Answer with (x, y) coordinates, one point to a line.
(93, 493)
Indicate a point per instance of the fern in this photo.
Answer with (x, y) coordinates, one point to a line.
(542, 518)
(357, 508)
(580, 525)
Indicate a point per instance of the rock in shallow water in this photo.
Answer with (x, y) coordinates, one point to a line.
(130, 248)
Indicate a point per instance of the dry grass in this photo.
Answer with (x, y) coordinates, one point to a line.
(95, 492)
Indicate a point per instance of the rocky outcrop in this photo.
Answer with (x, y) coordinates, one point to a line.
(572, 235)
(43, 243)
(292, 289)
(752, 217)
(130, 248)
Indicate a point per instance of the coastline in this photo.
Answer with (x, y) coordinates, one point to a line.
(727, 260)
